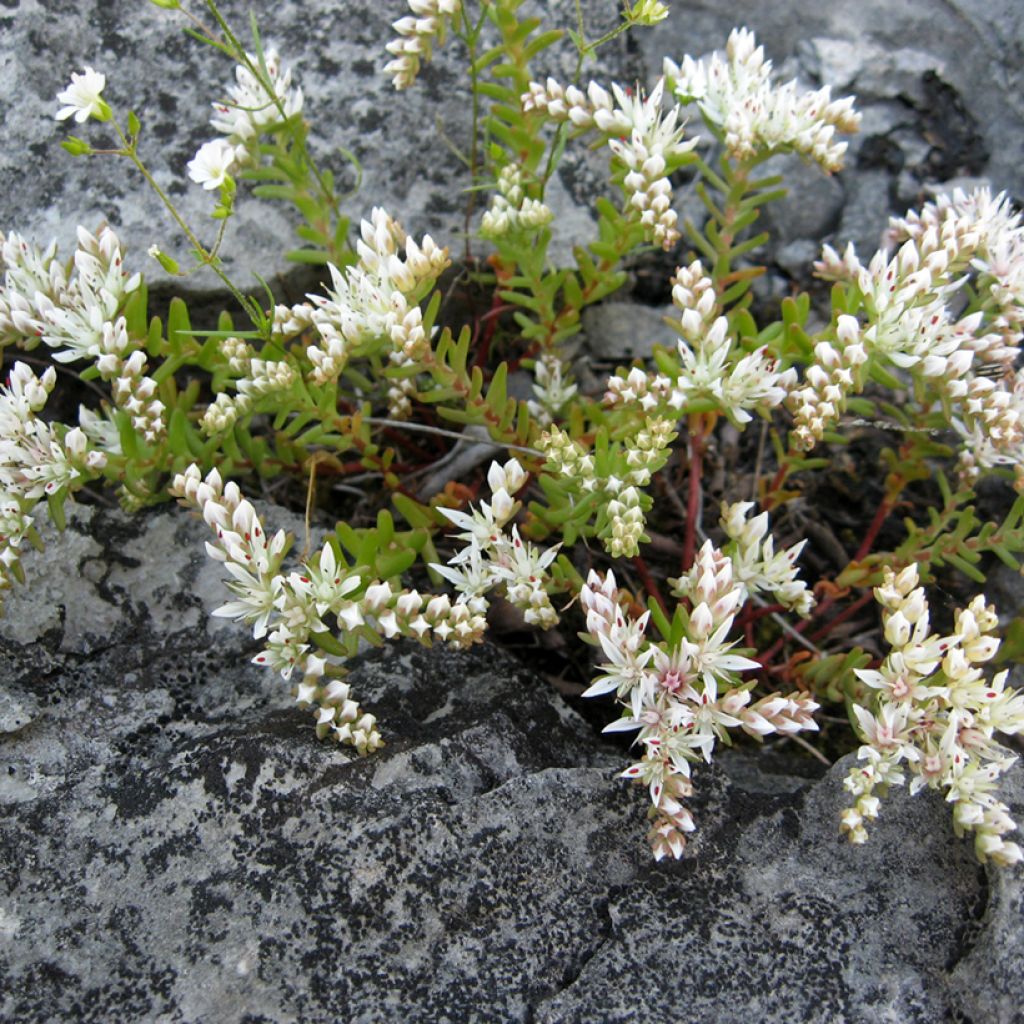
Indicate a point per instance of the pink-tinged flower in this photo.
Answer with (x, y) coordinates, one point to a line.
(212, 164)
(82, 98)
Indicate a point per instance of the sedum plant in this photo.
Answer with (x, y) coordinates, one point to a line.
(592, 518)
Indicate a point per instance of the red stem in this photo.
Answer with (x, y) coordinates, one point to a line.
(751, 614)
(881, 515)
(777, 481)
(846, 613)
(650, 584)
(488, 322)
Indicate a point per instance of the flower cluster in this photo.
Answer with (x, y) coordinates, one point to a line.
(80, 317)
(493, 558)
(416, 35)
(262, 377)
(828, 383)
(912, 321)
(256, 102)
(37, 459)
(511, 209)
(646, 142)
(552, 388)
(619, 480)
(757, 565)
(935, 713)
(288, 611)
(371, 304)
(682, 694)
(712, 365)
(983, 234)
(754, 117)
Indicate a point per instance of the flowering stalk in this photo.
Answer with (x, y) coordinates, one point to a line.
(682, 694)
(493, 558)
(288, 611)
(934, 713)
(37, 459)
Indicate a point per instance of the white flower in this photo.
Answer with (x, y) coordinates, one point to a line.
(212, 164)
(82, 97)
(737, 97)
(251, 108)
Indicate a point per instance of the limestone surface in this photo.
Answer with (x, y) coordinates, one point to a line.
(939, 82)
(177, 846)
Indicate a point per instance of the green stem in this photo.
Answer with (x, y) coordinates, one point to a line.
(206, 258)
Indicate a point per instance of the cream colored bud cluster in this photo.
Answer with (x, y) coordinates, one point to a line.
(637, 386)
(371, 304)
(649, 190)
(648, 450)
(416, 35)
(264, 377)
(593, 108)
(511, 209)
(123, 366)
(238, 354)
(625, 520)
(287, 611)
(399, 397)
(681, 699)
(338, 716)
(493, 558)
(694, 295)
(568, 458)
(712, 364)
(757, 565)
(984, 236)
(756, 118)
(621, 519)
(646, 142)
(653, 148)
(421, 617)
(828, 382)
(37, 459)
(935, 714)
(552, 388)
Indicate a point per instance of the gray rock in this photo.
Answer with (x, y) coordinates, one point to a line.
(178, 847)
(797, 258)
(623, 331)
(811, 207)
(866, 213)
(777, 920)
(403, 141)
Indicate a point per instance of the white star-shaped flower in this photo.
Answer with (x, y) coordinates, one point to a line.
(82, 97)
(212, 164)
